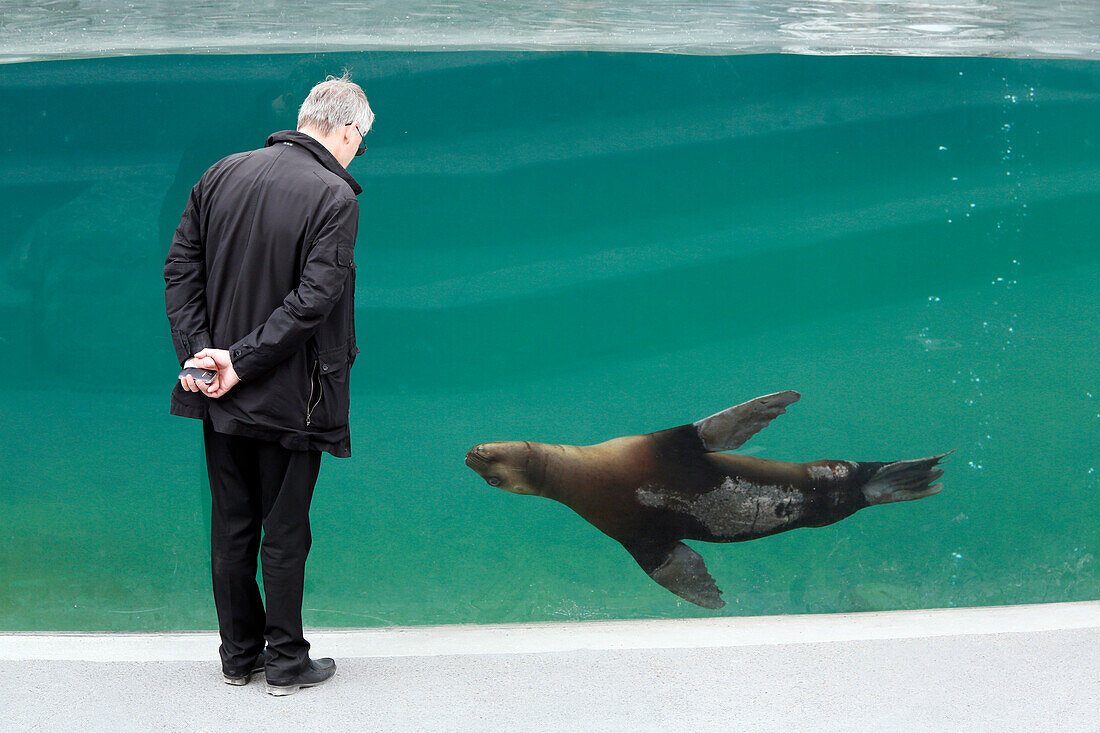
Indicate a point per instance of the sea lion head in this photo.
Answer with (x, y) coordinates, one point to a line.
(510, 466)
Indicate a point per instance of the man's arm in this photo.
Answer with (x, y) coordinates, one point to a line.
(324, 277)
(185, 284)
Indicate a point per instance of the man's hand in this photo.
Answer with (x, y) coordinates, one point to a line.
(227, 377)
(189, 384)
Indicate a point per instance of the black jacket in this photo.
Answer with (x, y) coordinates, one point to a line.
(262, 265)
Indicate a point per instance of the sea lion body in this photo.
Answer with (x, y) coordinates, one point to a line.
(635, 486)
(649, 492)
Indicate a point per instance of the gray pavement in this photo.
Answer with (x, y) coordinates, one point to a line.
(1033, 681)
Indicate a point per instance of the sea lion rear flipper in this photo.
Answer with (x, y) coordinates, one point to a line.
(905, 480)
(730, 428)
(681, 570)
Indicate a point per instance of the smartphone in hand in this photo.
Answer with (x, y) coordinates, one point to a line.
(206, 376)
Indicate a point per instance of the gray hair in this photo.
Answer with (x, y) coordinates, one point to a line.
(334, 103)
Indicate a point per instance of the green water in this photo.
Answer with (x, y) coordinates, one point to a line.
(568, 248)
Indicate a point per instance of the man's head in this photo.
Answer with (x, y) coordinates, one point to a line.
(337, 114)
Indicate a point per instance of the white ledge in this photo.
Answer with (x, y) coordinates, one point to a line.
(430, 641)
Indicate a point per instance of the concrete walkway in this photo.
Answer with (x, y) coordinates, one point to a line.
(1032, 668)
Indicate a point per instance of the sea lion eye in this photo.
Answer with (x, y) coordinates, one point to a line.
(493, 481)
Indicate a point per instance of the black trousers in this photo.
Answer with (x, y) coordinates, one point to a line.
(259, 485)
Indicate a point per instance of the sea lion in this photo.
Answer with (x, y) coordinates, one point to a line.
(649, 492)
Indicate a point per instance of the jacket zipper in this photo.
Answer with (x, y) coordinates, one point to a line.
(320, 388)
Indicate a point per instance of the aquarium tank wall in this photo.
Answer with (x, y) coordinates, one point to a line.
(576, 225)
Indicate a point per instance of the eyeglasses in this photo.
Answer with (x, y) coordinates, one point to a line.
(362, 139)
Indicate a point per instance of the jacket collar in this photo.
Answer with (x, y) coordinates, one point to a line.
(320, 152)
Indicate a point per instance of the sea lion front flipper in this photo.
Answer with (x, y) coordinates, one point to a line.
(730, 428)
(681, 570)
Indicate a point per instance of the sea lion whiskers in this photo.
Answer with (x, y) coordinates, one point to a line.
(503, 465)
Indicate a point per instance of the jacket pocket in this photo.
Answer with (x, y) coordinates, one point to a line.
(329, 402)
(345, 254)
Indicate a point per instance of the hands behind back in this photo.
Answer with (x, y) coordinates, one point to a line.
(217, 359)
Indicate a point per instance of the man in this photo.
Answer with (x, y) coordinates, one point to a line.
(260, 287)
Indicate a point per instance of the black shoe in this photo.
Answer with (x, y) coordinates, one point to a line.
(241, 676)
(316, 672)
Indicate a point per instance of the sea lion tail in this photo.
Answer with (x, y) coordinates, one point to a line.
(905, 480)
